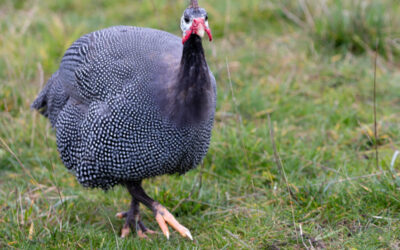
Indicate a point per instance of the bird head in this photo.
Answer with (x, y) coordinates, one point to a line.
(194, 21)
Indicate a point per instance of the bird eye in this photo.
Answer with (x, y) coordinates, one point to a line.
(187, 20)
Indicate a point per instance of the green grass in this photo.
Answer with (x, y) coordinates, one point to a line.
(319, 97)
(358, 26)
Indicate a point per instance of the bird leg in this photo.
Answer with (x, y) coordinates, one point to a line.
(133, 221)
(163, 216)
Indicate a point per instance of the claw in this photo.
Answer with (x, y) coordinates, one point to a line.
(189, 235)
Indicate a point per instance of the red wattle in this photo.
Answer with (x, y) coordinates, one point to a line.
(187, 36)
(209, 34)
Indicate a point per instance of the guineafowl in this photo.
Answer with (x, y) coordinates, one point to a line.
(130, 103)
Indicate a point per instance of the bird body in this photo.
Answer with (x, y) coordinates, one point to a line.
(107, 102)
(131, 103)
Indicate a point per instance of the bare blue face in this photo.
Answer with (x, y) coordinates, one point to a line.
(189, 15)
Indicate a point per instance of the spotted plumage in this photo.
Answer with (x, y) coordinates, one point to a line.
(108, 105)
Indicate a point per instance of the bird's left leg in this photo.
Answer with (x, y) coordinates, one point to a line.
(163, 216)
(133, 221)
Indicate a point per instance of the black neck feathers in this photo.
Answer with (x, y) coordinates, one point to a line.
(190, 98)
(193, 68)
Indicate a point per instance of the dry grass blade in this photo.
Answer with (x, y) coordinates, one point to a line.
(53, 170)
(239, 117)
(375, 123)
(276, 155)
(349, 179)
(282, 171)
(240, 124)
(17, 158)
(307, 13)
(196, 184)
(35, 115)
(115, 233)
(393, 161)
(292, 17)
(238, 239)
(302, 238)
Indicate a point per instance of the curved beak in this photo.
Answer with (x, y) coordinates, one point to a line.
(199, 28)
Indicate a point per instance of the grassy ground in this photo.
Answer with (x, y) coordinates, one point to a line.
(308, 65)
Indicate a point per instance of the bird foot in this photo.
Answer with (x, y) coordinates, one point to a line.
(163, 216)
(132, 221)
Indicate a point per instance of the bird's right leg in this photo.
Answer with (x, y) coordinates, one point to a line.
(133, 221)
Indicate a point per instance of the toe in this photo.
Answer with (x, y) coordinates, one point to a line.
(170, 219)
(121, 215)
(125, 231)
(142, 235)
(163, 216)
(161, 222)
(145, 229)
(148, 231)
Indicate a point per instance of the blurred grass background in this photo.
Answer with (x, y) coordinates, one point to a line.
(306, 63)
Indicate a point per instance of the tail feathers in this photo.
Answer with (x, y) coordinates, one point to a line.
(52, 99)
(41, 102)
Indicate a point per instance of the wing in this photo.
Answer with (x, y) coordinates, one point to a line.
(98, 65)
